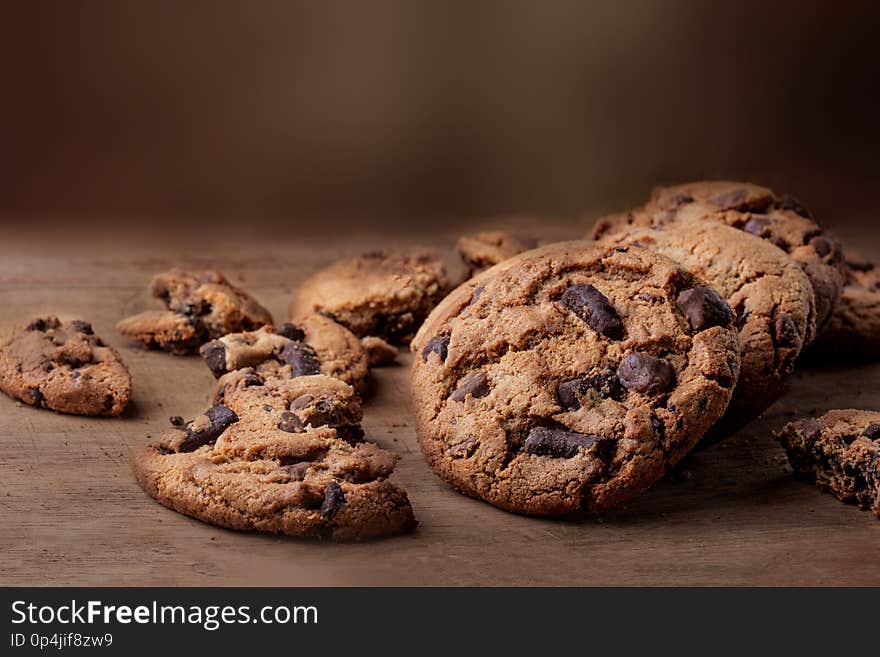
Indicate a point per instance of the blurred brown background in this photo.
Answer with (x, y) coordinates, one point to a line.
(408, 114)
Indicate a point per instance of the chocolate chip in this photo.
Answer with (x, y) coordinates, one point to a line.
(177, 421)
(823, 245)
(477, 385)
(43, 324)
(334, 498)
(463, 449)
(704, 308)
(252, 379)
(593, 307)
(350, 433)
(34, 397)
(680, 198)
(214, 354)
(301, 402)
(732, 199)
(786, 331)
(436, 345)
(787, 202)
(557, 442)
(644, 373)
(82, 327)
(290, 423)
(756, 225)
(872, 432)
(291, 332)
(298, 471)
(475, 294)
(605, 384)
(302, 359)
(221, 418)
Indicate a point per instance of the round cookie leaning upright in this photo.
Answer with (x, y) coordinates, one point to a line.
(569, 377)
(768, 292)
(781, 220)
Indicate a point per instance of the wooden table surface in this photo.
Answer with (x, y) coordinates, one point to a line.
(71, 513)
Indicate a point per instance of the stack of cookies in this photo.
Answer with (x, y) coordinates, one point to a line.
(546, 380)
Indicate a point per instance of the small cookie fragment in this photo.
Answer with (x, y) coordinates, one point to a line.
(386, 293)
(379, 352)
(854, 328)
(487, 248)
(201, 306)
(272, 462)
(780, 220)
(572, 381)
(841, 452)
(65, 367)
(314, 345)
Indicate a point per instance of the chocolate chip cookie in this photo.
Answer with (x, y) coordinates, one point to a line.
(482, 250)
(201, 306)
(313, 345)
(854, 328)
(781, 220)
(275, 463)
(387, 293)
(841, 452)
(65, 367)
(571, 377)
(771, 298)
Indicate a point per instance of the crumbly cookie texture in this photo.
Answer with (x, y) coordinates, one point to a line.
(201, 306)
(386, 294)
(487, 248)
(313, 345)
(280, 458)
(854, 328)
(571, 377)
(781, 220)
(65, 367)
(841, 452)
(768, 292)
(379, 352)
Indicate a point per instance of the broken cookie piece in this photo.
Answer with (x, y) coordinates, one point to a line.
(840, 451)
(385, 293)
(313, 345)
(280, 458)
(65, 367)
(201, 305)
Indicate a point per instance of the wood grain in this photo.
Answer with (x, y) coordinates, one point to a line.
(71, 513)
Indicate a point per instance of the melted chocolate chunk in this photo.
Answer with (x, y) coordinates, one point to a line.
(477, 385)
(872, 432)
(290, 423)
(177, 421)
(436, 345)
(756, 225)
(221, 419)
(291, 332)
(787, 202)
(823, 245)
(252, 379)
(557, 442)
(214, 354)
(301, 357)
(704, 308)
(593, 307)
(731, 200)
(641, 372)
(785, 331)
(43, 324)
(334, 498)
(82, 327)
(605, 384)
